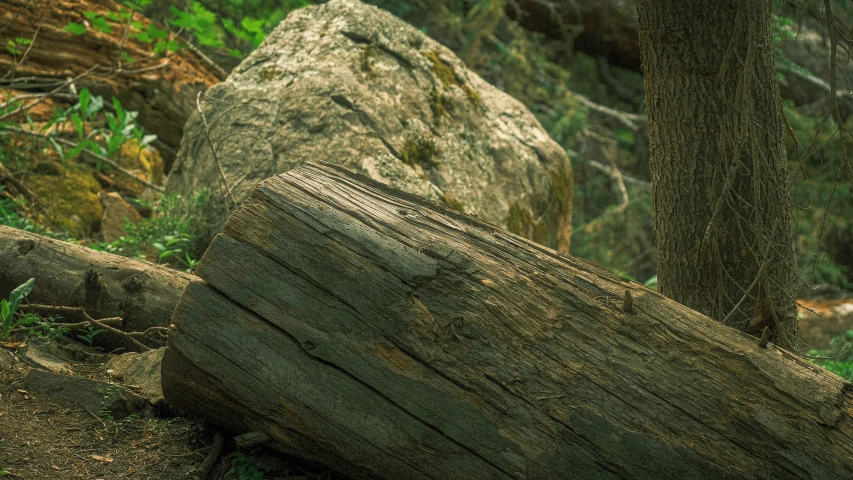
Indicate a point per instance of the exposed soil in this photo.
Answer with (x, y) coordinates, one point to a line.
(44, 437)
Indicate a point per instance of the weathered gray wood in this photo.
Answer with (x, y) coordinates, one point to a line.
(389, 337)
(106, 285)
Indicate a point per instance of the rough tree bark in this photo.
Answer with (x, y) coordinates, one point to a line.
(719, 177)
(162, 88)
(393, 338)
(105, 285)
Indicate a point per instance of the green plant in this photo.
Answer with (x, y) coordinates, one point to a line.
(90, 334)
(10, 217)
(206, 26)
(97, 131)
(104, 140)
(136, 29)
(838, 359)
(108, 395)
(13, 46)
(8, 308)
(230, 28)
(242, 468)
(47, 328)
(168, 236)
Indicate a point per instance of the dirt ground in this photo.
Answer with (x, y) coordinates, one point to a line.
(43, 437)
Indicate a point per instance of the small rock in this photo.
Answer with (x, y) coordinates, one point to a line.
(141, 370)
(40, 358)
(116, 213)
(8, 360)
(94, 396)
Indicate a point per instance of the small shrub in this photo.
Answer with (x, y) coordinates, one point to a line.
(9, 307)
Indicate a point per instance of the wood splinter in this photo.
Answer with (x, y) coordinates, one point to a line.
(765, 336)
(628, 302)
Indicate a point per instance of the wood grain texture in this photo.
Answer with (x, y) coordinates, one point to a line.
(389, 337)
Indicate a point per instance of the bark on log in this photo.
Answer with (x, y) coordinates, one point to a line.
(388, 337)
(105, 285)
(161, 88)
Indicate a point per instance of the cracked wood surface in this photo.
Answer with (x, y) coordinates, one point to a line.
(390, 337)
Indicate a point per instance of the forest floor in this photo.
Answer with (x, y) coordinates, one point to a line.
(44, 437)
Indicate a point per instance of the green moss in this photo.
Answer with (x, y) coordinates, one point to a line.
(561, 192)
(268, 74)
(472, 95)
(419, 152)
(69, 202)
(453, 203)
(448, 77)
(443, 71)
(520, 220)
(439, 106)
(368, 57)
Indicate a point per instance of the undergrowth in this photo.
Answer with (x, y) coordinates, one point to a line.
(838, 358)
(169, 236)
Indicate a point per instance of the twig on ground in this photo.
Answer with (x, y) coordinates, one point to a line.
(89, 320)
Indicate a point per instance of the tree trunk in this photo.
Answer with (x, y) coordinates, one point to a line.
(162, 88)
(105, 285)
(719, 178)
(389, 337)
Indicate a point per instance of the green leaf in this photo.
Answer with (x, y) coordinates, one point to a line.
(75, 28)
(78, 124)
(158, 33)
(28, 320)
(76, 150)
(120, 111)
(84, 98)
(57, 147)
(147, 140)
(95, 106)
(5, 310)
(99, 23)
(174, 46)
(19, 293)
(112, 122)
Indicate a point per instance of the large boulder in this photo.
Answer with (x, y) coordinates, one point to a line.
(351, 84)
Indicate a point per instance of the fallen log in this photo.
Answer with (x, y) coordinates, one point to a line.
(389, 337)
(161, 87)
(103, 284)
